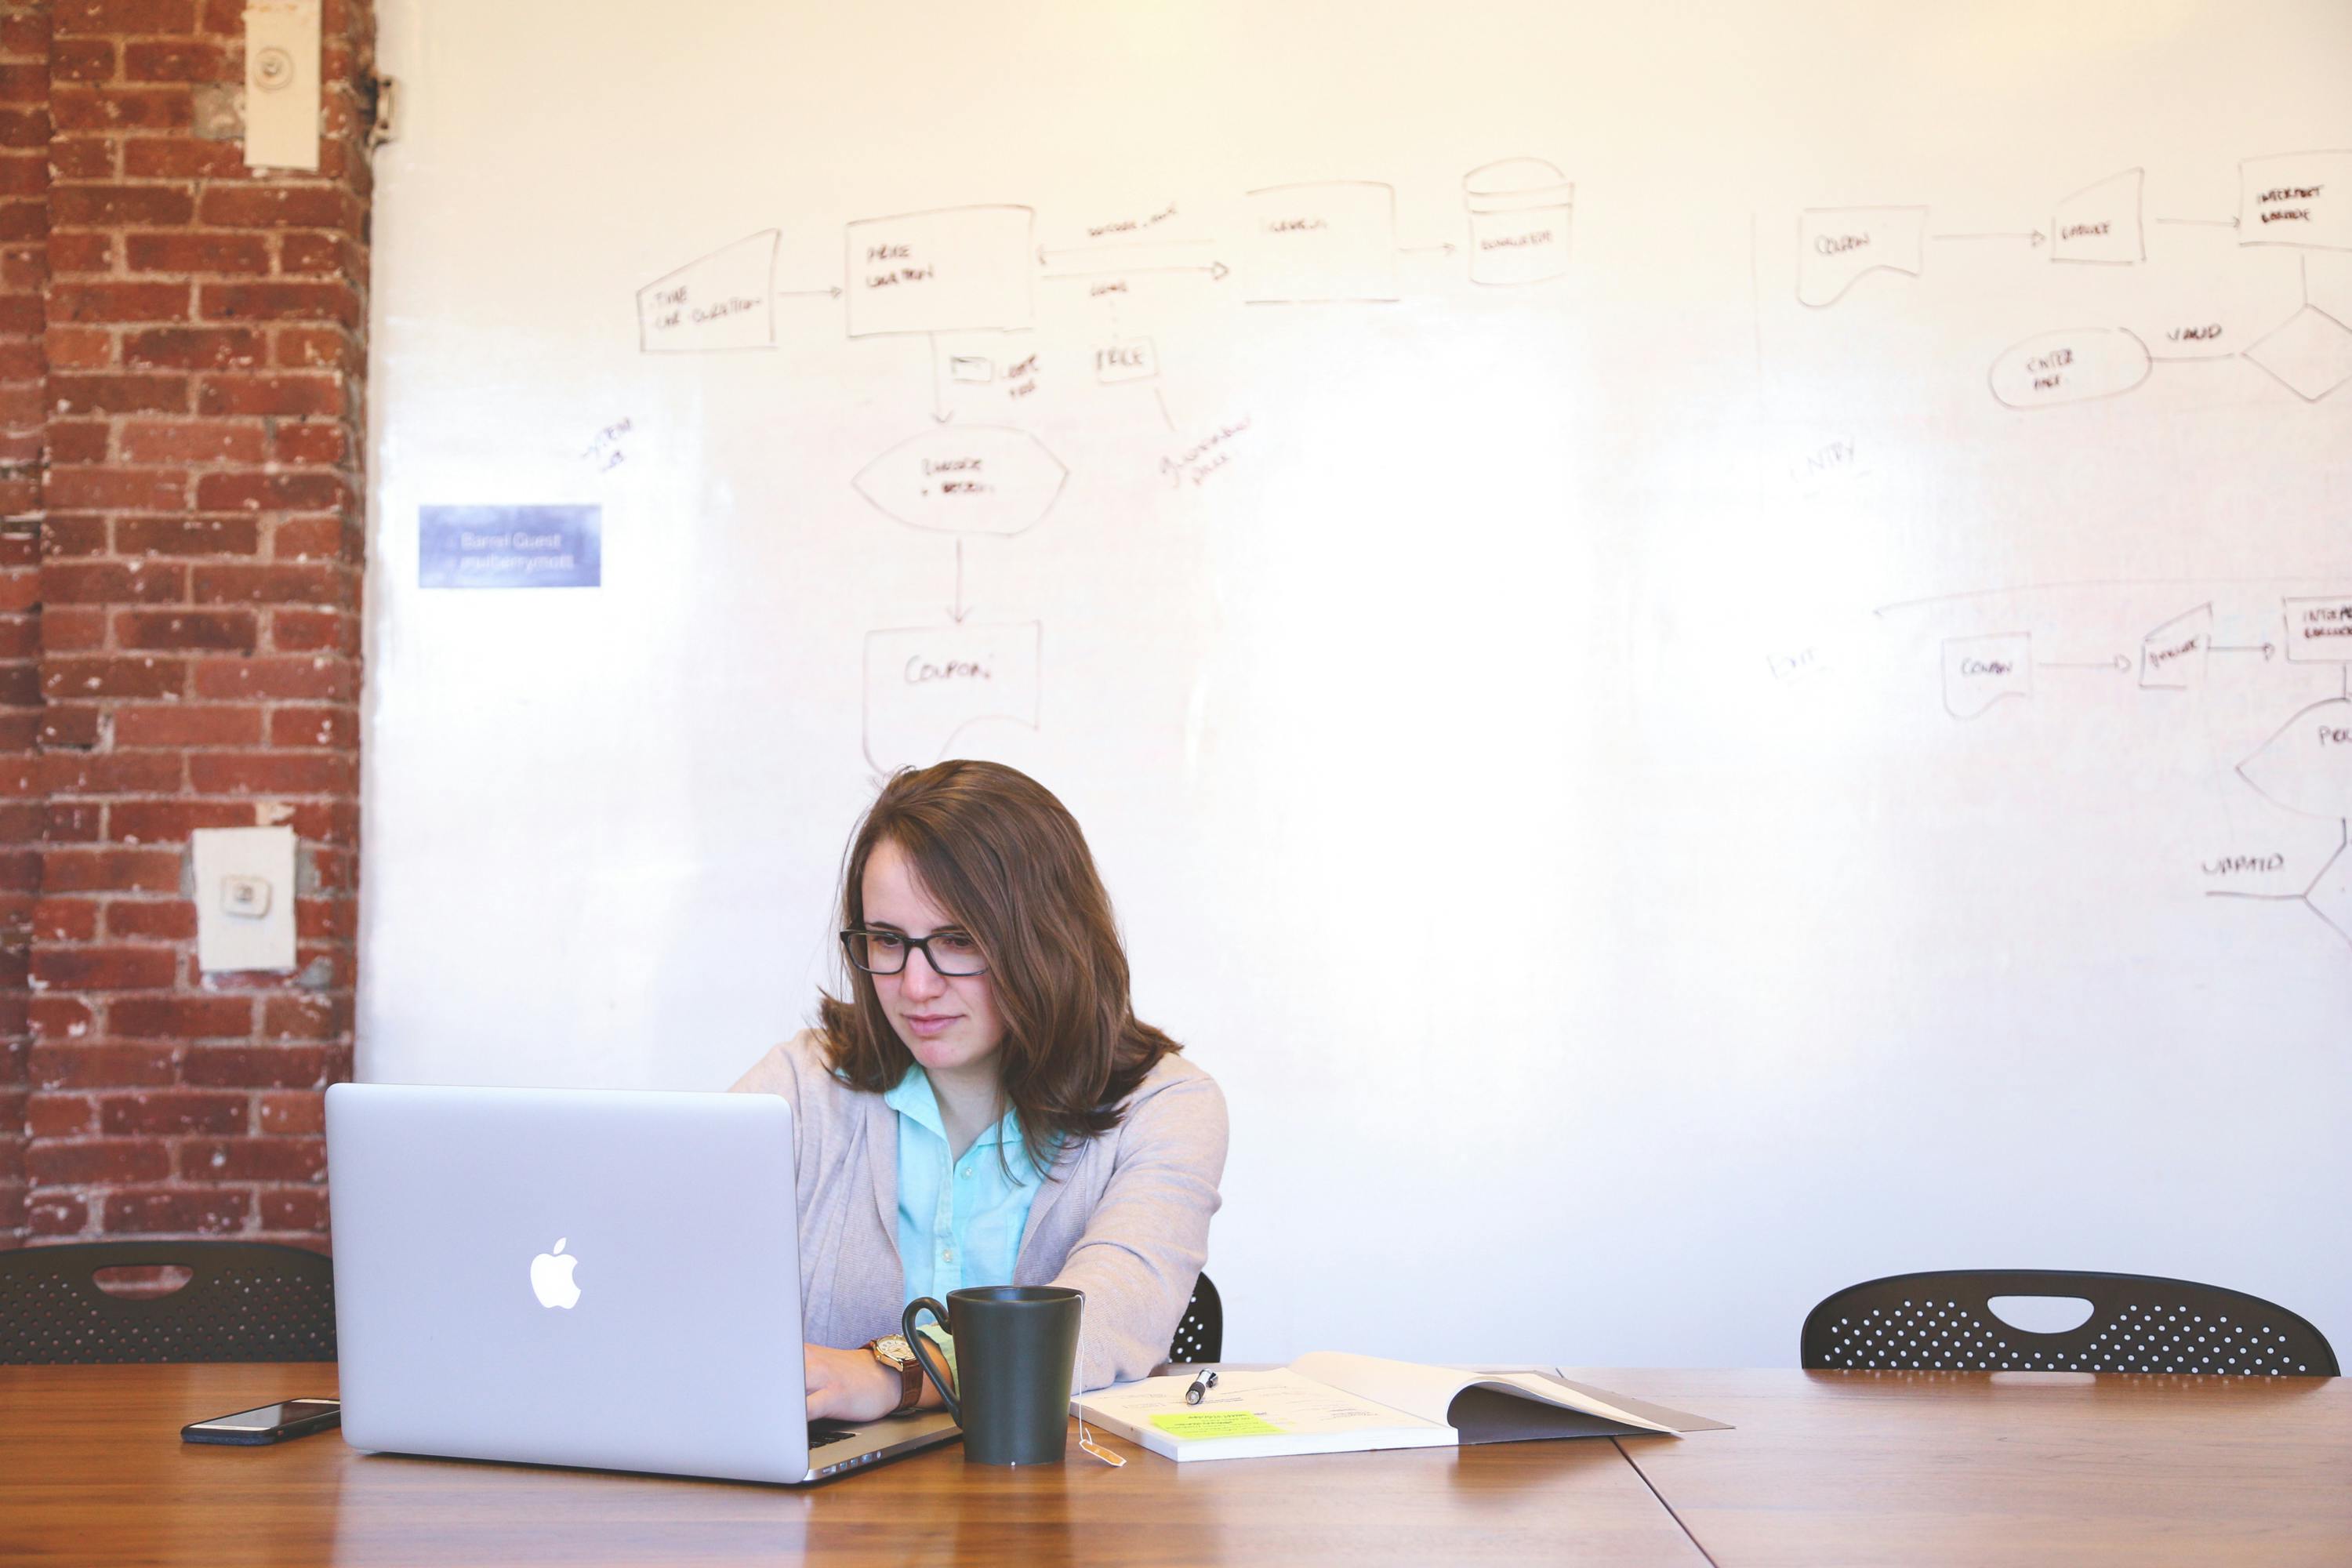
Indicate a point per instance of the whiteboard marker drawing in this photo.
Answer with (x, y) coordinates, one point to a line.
(2100, 224)
(2172, 656)
(2075, 364)
(725, 301)
(2328, 894)
(2306, 766)
(2300, 199)
(1521, 213)
(1980, 671)
(1838, 246)
(952, 269)
(925, 686)
(2310, 353)
(1126, 359)
(2319, 631)
(973, 479)
(1131, 259)
(2031, 237)
(940, 412)
(1322, 244)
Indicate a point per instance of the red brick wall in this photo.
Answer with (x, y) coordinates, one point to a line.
(24, 230)
(198, 640)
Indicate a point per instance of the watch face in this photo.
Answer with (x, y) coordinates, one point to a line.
(894, 1349)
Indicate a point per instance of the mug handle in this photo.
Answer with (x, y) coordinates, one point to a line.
(924, 1349)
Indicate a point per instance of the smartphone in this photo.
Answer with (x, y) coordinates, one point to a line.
(267, 1423)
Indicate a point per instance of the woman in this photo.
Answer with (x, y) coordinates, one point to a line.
(984, 1108)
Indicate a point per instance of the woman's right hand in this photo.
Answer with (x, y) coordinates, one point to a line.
(847, 1385)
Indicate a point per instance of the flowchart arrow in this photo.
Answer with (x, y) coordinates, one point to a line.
(1217, 271)
(940, 409)
(958, 612)
(2119, 664)
(1045, 254)
(2203, 222)
(1420, 249)
(834, 292)
(2035, 235)
(2268, 650)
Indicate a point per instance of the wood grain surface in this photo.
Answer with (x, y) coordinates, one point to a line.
(1925, 1468)
(93, 1470)
(1822, 1470)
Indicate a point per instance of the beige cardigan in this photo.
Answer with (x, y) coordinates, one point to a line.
(1123, 1218)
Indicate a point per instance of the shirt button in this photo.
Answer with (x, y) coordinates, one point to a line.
(965, 1173)
(948, 1254)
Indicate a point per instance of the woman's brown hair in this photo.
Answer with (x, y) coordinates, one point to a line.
(994, 847)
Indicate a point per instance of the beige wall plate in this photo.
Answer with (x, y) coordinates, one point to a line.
(245, 899)
(281, 84)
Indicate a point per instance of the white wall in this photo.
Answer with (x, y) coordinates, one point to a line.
(1520, 783)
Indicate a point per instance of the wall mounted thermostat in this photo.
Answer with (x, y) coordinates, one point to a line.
(245, 899)
(281, 84)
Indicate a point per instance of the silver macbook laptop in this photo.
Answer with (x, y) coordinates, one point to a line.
(580, 1276)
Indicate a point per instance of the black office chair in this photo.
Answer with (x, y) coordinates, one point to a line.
(2138, 1324)
(1200, 1334)
(243, 1300)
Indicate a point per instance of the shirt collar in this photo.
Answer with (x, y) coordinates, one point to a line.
(913, 1097)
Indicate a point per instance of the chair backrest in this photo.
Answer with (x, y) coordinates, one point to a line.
(243, 1300)
(1200, 1334)
(2138, 1324)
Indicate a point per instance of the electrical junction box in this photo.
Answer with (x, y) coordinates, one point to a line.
(281, 84)
(245, 899)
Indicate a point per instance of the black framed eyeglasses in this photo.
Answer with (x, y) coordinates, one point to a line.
(948, 953)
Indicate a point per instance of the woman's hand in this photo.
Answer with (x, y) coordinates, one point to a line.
(848, 1386)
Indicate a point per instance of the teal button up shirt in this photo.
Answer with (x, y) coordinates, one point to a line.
(960, 1221)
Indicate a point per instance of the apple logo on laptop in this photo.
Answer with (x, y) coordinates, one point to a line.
(550, 1278)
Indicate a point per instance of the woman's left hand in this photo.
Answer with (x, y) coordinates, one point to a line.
(848, 1386)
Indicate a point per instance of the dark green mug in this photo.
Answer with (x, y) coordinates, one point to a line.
(1016, 1347)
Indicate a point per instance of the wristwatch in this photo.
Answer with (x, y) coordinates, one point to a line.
(892, 1350)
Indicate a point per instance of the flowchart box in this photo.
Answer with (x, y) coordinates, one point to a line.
(2296, 198)
(726, 301)
(2319, 631)
(1837, 246)
(1980, 671)
(925, 685)
(2101, 223)
(957, 269)
(966, 479)
(1319, 243)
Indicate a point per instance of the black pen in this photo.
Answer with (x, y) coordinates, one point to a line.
(1202, 1381)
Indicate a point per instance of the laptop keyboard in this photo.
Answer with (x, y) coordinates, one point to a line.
(823, 1432)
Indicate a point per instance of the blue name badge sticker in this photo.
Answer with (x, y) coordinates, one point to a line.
(510, 546)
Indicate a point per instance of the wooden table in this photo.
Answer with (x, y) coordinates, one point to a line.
(1823, 1468)
(1923, 1469)
(93, 1470)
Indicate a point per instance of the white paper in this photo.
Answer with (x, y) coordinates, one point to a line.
(1427, 1391)
(1314, 1417)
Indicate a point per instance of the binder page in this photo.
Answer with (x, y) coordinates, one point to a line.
(1249, 1403)
(1428, 1392)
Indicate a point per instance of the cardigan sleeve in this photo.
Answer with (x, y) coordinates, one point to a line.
(785, 1070)
(1147, 1235)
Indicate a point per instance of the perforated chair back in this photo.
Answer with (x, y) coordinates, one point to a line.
(1200, 1334)
(1944, 1320)
(243, 1300)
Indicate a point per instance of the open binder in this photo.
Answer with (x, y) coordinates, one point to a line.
(1332, 1403)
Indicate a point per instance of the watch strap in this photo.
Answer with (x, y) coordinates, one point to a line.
(893, 1352)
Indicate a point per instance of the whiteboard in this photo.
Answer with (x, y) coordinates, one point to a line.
(1702, 645)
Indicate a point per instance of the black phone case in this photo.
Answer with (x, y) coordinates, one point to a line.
(323, 1421)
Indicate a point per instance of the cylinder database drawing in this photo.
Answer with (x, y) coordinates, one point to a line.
(1520, 209)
